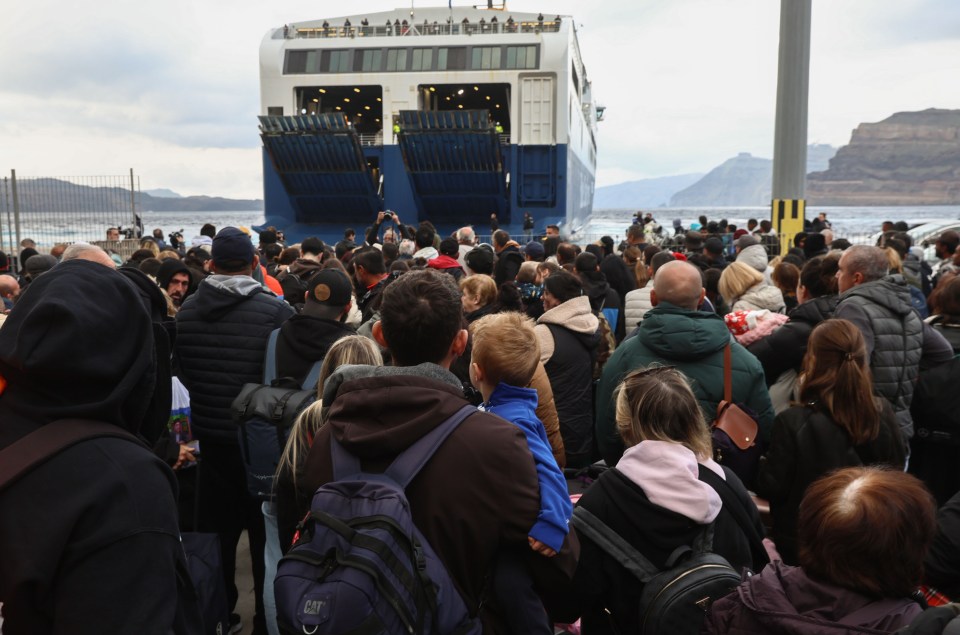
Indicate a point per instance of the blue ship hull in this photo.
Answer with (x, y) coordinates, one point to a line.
(318, 186)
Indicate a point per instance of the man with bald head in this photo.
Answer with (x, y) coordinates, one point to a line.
(86, 251)
(9, 290)
(676, 332)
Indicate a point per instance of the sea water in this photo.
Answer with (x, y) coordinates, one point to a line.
(848, 222)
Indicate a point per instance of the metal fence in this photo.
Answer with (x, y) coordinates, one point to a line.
(67, 209)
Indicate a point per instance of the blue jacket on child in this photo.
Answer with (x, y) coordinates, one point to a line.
(518, 406)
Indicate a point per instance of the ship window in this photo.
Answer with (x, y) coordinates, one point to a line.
(521, 57)
(453, 59)
(486, 58)
(313, 61)
(372, 60)
(296, 62)
(422, 60)
(339, 61)
(397, 60)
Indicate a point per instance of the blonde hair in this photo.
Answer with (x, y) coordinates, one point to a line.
(505, 346)
(168, 253)
(736, 278)
(657, 404)
(353, 349)
(150, 245)
(480, 285)
(896, 264)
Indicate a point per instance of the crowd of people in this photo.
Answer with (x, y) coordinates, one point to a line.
(595, 376)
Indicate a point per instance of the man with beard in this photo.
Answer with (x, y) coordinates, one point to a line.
(174, 278)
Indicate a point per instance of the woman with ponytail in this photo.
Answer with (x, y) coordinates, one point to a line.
(839, 423)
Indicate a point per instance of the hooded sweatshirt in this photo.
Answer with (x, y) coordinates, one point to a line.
(655, 500)
(88, 539)
(759, 297)
(222, 332)
(476, 496)
(518, 406)
(693, 341)
(756, 257)
(305, 340)
(783, 599)
(568, 349)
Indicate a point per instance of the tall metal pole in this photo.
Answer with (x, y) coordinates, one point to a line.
(133, 202)
(790, 136)
(16, 215)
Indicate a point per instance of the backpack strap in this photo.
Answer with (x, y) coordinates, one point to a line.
(270, 358)
(735, 506)
(409, 462)
(310, 383)
(47, 441)
(613, 544)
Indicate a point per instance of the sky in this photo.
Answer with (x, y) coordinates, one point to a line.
(171, 89)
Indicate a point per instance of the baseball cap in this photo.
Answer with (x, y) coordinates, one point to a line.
(330, 287)
(231, 244)
(534, 249)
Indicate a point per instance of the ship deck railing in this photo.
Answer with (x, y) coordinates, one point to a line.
(435, 28)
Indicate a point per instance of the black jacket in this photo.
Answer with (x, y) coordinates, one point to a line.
(222, 335)
(602, 584)
(508, 264)
(620, 278)
(89, 541)
(941, 569)
(304, 340)
(784, 349)
(806, 444)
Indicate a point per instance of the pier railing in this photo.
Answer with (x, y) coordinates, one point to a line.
(67, 209)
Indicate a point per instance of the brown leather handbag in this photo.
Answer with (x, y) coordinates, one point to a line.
(734, 431)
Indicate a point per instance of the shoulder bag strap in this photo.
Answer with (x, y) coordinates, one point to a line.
(732, 503)
(47, 441)
(270, 358)
(613, 544)
(727, 372)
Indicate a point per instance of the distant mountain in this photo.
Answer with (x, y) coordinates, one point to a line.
(910, 158)
(642, 193)
(743, 180)
(162, 193)
(48, 193)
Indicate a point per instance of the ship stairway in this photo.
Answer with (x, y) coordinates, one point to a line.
(321, 163)
(455, 164)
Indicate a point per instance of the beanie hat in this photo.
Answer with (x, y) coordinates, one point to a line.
(450, 247)
(231, 244)
(38, 264)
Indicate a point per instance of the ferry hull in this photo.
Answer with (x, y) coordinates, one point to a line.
(549, 182)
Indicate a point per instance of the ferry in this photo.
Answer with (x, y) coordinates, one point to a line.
(445, 114)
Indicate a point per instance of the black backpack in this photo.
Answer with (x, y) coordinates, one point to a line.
(676, 599)
(264, 414)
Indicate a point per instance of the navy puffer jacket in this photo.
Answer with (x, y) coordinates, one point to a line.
(222, 333)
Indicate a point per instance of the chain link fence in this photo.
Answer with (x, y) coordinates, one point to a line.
(67, 209)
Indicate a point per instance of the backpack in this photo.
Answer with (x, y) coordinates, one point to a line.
(264, 414)
(676, 599)
(359, 565)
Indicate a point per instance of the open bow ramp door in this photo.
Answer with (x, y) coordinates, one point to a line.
(454, 162)
(321, 163)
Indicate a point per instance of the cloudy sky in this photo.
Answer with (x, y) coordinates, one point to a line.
(171, 89)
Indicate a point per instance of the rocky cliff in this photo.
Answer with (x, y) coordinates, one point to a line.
(911, 158)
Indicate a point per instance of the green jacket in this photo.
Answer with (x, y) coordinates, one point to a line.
(693, 341)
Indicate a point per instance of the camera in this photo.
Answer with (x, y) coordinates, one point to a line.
(388, 214)
(176, 238)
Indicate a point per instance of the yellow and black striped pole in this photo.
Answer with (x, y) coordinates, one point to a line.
(787, 218)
